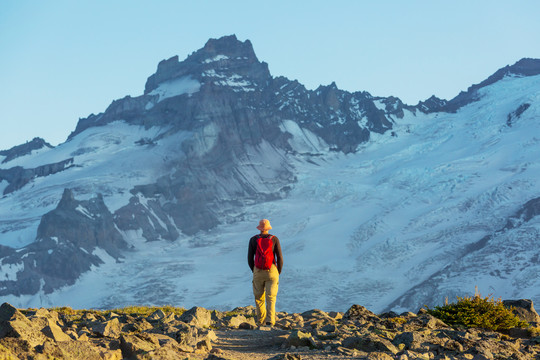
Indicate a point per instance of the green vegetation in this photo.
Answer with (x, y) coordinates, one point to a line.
(398, 320)
(477, 311)
(128, 310)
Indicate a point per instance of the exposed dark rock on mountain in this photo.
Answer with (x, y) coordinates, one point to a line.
(432, 104)
(235, 91)
(24, 149)
(524, 67)
(516, 114)
(476, 259)
(67, 238)
(239, 134)
(17, 176)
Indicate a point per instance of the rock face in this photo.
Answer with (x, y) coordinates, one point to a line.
(17, 177)
(67, 240)
(237, 113)
(524, 309)
(24, 149)
(524, 67)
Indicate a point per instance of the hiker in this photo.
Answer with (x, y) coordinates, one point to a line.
(266, 261)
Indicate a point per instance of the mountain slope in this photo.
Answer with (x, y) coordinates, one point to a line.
(375, 202)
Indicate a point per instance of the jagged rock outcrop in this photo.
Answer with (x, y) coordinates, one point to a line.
(24, 149)
(225, 84)
(237, 114)
(523, 67)
(67, 239)
(17, 176)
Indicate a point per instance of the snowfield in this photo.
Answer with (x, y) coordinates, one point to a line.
(404, 212)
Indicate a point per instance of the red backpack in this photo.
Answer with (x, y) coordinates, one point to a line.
(264, 256)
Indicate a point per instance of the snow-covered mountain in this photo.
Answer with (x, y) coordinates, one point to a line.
(375, 202)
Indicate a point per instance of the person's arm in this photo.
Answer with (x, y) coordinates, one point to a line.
(278, 254)
(251, 254)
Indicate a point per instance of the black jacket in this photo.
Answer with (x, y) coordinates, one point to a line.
(278, 256)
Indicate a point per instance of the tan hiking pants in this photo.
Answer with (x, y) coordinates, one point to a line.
(265, 289)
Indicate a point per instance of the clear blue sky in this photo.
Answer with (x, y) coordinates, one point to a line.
(62, 60)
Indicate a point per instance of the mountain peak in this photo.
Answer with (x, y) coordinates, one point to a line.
(224, 54)
(523, 67)
(228, 46)
(526, 67)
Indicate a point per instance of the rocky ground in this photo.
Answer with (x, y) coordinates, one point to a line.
(203, 334)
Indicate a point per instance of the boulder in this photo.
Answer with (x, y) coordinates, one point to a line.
(237, 320)
(111, 328)
(14, 324)
(369, 343)
(54, 332)
(523, 309)
(204, 345)
(298, 338)
(411, 339)
(163, 353)
(44, 313)
(197, 316)
(132, 345)
(156, 315)
(358, 312)
(187, 338)
(81, 350)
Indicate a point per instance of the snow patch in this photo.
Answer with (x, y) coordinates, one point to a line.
(303, 140)
(84, 211)
(176, 87)
(216, 58)
(9, 271)
(3, 185)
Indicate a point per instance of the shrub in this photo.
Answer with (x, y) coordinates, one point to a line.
(477, 311)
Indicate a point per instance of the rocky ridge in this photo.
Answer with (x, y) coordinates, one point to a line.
(198, 333)
(68, 237)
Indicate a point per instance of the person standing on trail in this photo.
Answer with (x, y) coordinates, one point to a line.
(266, 261)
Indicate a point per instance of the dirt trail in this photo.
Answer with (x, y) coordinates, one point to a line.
(262, 345)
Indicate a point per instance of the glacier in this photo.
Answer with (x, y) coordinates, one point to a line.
(426, 210)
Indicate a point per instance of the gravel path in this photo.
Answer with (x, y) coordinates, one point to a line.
(262, 345)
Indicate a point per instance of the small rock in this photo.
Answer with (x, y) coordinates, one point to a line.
(369, 343)
(135, 344)
(379, 356)
(246, 326)
(357, 312)
(410, 339)
(107, 354)
(111, 328)
(236, 320)
(298, 338)
(54, 332)
(329, 328)
(286, 356)
(156, 315)
(204, 345)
